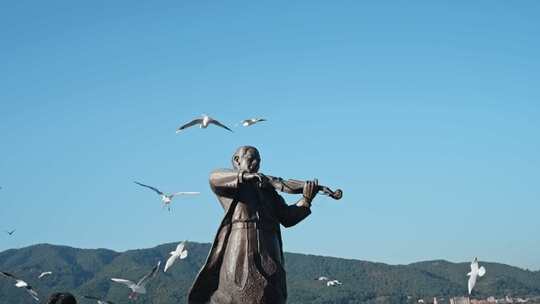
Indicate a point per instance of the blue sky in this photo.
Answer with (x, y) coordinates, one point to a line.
(426, 114)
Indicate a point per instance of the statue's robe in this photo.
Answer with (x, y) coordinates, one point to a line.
(245, 263)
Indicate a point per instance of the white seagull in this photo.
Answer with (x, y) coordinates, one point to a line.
(166, 198)
(333, 283)
(251, 121)
(475, 272)
(179, 253)
(138, 288)
(204, 121)
(329, 282)
(22, 284)
(46, 273)
(99, 300)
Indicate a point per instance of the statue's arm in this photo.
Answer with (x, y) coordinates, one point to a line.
(290, 215)
(225, 182)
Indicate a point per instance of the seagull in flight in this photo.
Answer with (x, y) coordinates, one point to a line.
(475, 272)
(46, 273)
(251, 121)
(166, 198)
(203, 123)
(10, 232)
(99, 300)
(22, 284)
(179, 253)
(139, 287)
(328, 281)
(333, 283)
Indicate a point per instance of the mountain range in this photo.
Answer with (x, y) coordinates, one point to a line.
(88, 272)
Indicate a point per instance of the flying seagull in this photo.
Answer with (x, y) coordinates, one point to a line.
(328, 281)
(22, 284)
(322, 278)
(166, 198)
(10, 232)
(251, 121)
(204, 121)
(46, 273)
(138, 288)
(179, 253)
(475, 272)
(99, 300)
(333, 283)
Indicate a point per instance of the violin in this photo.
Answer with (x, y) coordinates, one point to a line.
(294, 186)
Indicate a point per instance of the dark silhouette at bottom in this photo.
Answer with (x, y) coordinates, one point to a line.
(62, 298)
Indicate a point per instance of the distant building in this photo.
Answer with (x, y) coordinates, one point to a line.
(460, 300)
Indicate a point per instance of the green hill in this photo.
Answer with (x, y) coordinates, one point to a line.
(88, 272)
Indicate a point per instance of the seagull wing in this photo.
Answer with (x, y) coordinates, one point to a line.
(181, 251)
(481, 271)
(189, 124)
(184, 193)
(472, 281)
(149, 187)
(128, 283)
(217, 123)
(149, 275)
(32, 293)
(180, 247)
(170, 262)
(9, 275)
(44, 274)
(322, 278)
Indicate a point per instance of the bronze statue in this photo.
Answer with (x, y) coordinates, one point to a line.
(245, 263)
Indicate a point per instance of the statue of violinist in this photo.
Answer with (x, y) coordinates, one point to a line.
(245, 263)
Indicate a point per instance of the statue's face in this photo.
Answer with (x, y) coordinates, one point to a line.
(250, 161)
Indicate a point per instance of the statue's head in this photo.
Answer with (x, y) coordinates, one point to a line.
(246, 158)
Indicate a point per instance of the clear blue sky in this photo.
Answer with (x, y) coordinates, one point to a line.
(426, 114)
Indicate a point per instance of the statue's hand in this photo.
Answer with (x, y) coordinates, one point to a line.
(311, 188)
(254, 177)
